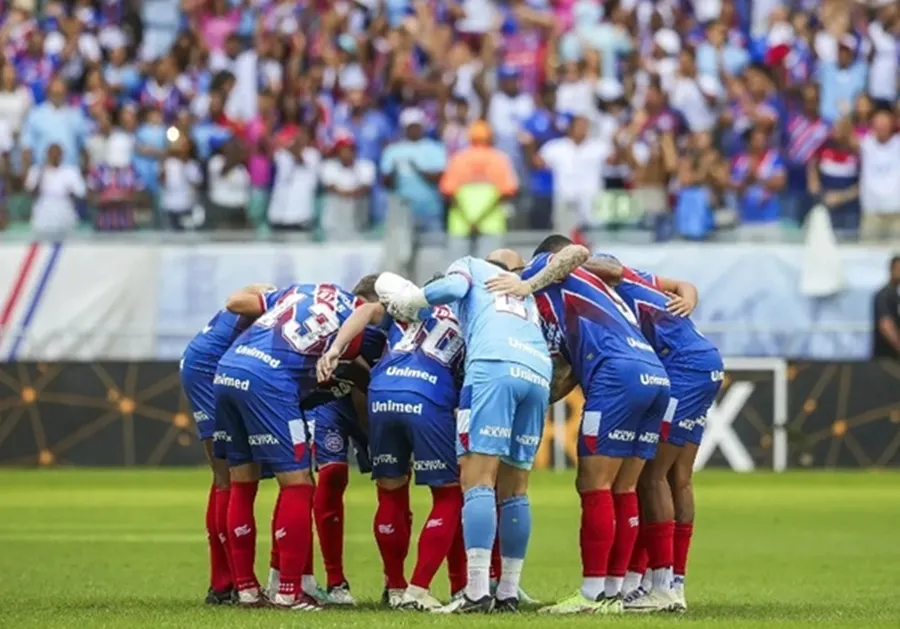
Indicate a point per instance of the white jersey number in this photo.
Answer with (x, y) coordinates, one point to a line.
(443, 343)
(518, 306)
(321, 323)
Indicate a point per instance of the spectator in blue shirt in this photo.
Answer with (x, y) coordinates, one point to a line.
(841, 82)
(54, 122)
(413, 167)
(758, 176)
(538, 129)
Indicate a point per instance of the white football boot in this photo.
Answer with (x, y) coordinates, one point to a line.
(419, 599)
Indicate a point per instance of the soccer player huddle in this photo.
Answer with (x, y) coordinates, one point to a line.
(450, 384)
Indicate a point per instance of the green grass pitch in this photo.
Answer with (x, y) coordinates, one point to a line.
(86, 548)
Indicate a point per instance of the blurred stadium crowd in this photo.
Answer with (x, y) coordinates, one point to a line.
(681, 117)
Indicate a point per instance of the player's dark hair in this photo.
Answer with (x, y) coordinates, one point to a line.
(894, 261)
(365, 287)
(552, 244)
(498, 263)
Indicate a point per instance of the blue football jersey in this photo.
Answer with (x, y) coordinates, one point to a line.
(208, 346)
(424, 357)
(674, 338)
(288, 339)
(585, 318)
(498, 327)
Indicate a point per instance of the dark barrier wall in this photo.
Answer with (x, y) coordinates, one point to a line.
(113, 414)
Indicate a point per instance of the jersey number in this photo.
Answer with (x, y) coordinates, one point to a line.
(443, 343)
(517, 306)
(304, 335)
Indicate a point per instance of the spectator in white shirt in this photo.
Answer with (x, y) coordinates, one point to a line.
(293, 202)
(228, 187)
(56, 188)
(577, 162)
(879, 183)
(181, 177)
(348, 182)
(508, 109)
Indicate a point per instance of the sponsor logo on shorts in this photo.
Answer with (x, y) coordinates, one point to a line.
(333, 442)
(390, 406)
(529, 376)
(407, 372)
(638, 344)
(264, 439)
(224, 380)
(717, 376)
(528, 441)
(649, 437)
(542, 354)
(384, 459)
(258, 354)
(200, 416)
(429, 466)
(221, 435)
(657, 381)
(495, 432)
(690, 424)
(621, 435)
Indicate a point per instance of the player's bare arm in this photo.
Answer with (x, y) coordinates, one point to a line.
(558, 268)
(607, 269)
(248, 301)
(367, 314)
(684, 296)
(563, 380)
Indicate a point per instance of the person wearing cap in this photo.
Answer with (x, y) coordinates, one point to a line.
(412, 168)
(478, 182)
(841, 81)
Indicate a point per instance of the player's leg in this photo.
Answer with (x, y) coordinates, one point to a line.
(391, 452)
(331, 447)
(681, 479)
(244, 475)
(456, 563)
(434, 452)
(657, 503)
(532, 401)
(279, 440)
(602, 446)
(483, 427)
(198, 389)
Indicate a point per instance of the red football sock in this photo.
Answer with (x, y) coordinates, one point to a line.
(311, 554)
(274, 563)
(457, 563)
(598, 529)
(242, 534)
(392, 533)
(328, 508)
(219, 572)
(681, 546)
(222, 498)
(294, 524)
(639, 558)
(496, 565)
(438, 534)
(660, 548)
(627, 522)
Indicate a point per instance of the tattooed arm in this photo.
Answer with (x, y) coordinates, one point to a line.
(563, 379)
(558, 268)
(607, 269)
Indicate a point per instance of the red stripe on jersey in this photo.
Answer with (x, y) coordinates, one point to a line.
(593, 280)
(630, 276)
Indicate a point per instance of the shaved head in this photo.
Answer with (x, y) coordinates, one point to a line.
(508, 259)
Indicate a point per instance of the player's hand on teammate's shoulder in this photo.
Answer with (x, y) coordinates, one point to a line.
(680, 306)
(508, 284)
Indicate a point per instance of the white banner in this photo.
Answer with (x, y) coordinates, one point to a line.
(77, 301)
